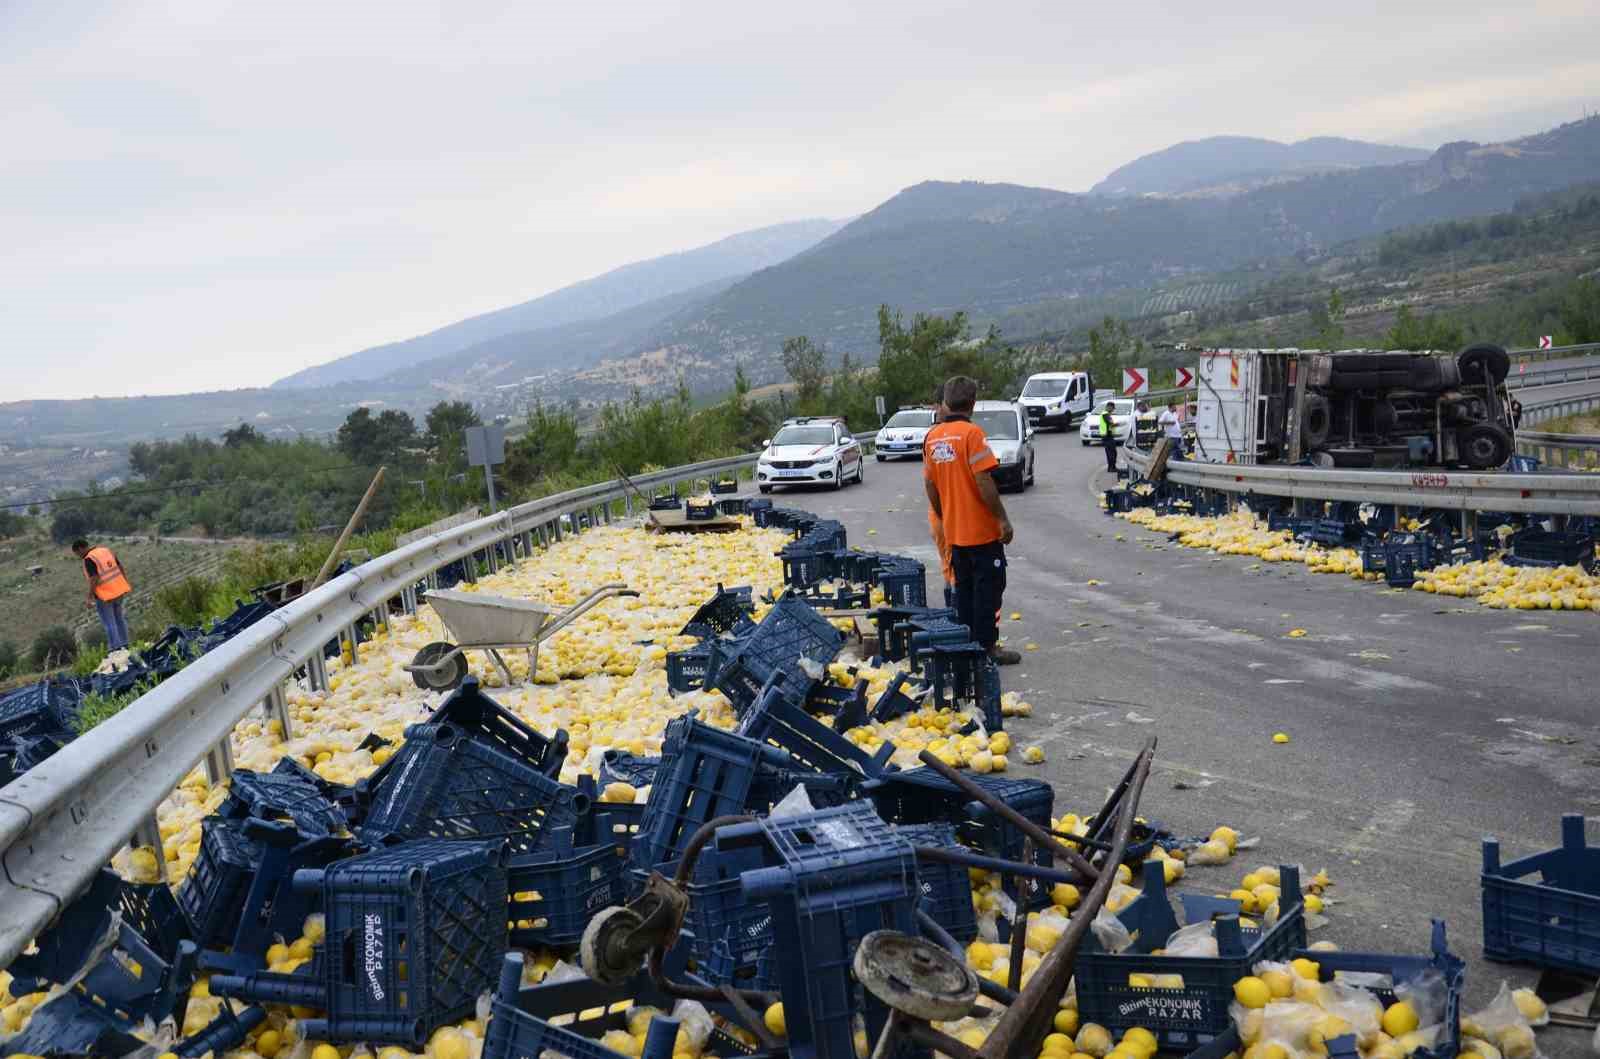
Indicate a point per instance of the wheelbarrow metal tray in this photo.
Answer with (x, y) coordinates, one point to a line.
(479, 618)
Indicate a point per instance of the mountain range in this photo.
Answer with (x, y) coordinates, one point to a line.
(1030, 259)
(1221, 163)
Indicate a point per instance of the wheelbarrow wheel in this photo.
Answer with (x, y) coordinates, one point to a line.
(448, 676)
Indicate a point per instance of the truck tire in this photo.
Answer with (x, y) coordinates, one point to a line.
(1485, 364)
(1319, 421)
(1483, 446)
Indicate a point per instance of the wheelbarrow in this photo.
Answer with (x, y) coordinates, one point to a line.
(491, 624)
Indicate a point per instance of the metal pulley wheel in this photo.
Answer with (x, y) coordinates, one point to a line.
(915, 976)
(435, 669)
(605, 952)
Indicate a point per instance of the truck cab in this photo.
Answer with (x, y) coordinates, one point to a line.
(1054, 398)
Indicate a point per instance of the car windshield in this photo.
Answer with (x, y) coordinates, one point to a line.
(999, 423)
(1121, 408)
(1045, 388)
(915, 417)
(804, 436)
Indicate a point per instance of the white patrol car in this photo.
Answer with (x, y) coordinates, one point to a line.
(814, 450)
(903, 434)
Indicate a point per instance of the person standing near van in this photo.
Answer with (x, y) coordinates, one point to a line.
(1108, 437)
(957, 468)
(108, 589)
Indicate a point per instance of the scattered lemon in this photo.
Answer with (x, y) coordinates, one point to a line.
(774, 1020)
(1252, 992)
(1306, 968)
(1066, 1021)
(1280, 737)
(1400, 1018)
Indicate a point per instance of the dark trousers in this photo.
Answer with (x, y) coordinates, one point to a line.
(1110, 444)
(980, 584)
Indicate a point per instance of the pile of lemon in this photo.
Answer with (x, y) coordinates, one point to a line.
(1491, 582)
(603, 679)
(1494, 584)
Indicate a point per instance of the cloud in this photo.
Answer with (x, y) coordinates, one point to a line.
(204, 195)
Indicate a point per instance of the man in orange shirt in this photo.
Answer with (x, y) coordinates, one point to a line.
(108, 590)
(935, 523)
(956, 468)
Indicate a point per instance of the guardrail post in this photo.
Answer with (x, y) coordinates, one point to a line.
(627, 504)
(470, 565)
(219, 762)
(353, 635)
(493, 552)
(275, 707)
(317, 670)
(149, 834)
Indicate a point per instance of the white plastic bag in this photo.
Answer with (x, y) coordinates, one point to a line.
(1196, 939)
(1110, 932)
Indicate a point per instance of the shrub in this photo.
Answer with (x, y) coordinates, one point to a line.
(9, 659)
(185, 601)
(55, 646)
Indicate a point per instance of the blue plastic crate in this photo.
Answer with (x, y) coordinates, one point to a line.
(1404, 554)
(214, 891)
(791, 630)
(823, 788)
(47, 707)
(687, 670)
(965, 677)
(568, 1018)
(779, 718)
(897, 624)
(414, 935)
(1187, 1018)
(280, 795)
(727, 610)
(445, 783)
(555, 892)
(835, 876)
(1401, 968)
(722, 967)
(1551, 921)
(482, 719)
(895, 701)
(922, 796)
(698, 510)
(946, 889)
(619, 766)
(704, 773)
(1520, 464)
(1541, 547)
(924, 632)
(904, 583)
(719, 912)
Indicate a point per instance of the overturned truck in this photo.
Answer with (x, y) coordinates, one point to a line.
(1355, 408)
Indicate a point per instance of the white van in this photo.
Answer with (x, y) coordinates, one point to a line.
(1055, 398)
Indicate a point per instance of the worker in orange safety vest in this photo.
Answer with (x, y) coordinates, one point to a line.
(108, 590)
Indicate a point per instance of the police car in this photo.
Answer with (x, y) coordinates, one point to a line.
(903, 434)
(811, 450)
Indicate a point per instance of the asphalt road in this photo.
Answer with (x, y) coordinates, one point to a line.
(1419, 724)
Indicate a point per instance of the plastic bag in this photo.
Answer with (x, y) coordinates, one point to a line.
(694, 1022)
(1425, 991)
(1110, 932)
(1503, 1025)
(1196, 939)
(1209, 852)
(1357, 1007)
(1045, 929)
(796, 803)
(1289, 1023)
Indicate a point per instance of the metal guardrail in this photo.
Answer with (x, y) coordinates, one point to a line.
(1560, 450)
(64, 819)
(1552, 494)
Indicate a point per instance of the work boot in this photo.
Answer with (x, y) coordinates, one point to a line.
(1004, 656)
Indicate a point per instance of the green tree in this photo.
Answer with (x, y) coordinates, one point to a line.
(1111, 345)
(1327, 321)
(358, 435)
(1580, 312)
(1429, 332)
(240, 436)
(11, 525)
(8, 658)
(447, 425)
(807, 365)
(71, 521)
(549, 448)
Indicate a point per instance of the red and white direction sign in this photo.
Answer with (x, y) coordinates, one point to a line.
(1545, 341)
(1135, 380)
(1184, 380)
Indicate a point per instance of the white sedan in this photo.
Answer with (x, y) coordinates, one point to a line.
(903, 434)
(810, 452)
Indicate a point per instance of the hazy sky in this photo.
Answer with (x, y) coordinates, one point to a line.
(200, 195)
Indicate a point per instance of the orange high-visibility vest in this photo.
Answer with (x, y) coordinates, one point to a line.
(108, 582)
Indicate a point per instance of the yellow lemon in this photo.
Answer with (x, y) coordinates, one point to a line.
(1065, 894)
(1094, 1039)
(1228, 836)
(1400, 1018)
(774, 1020)
(1306, 968)
(325, 1051)
(1066, 1021)
(1280, 982)
(1528, 1002)
(268, 1044)
(1252, 992)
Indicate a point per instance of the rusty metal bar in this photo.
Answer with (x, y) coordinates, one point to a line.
(1022, 1027)
(1012, 817)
